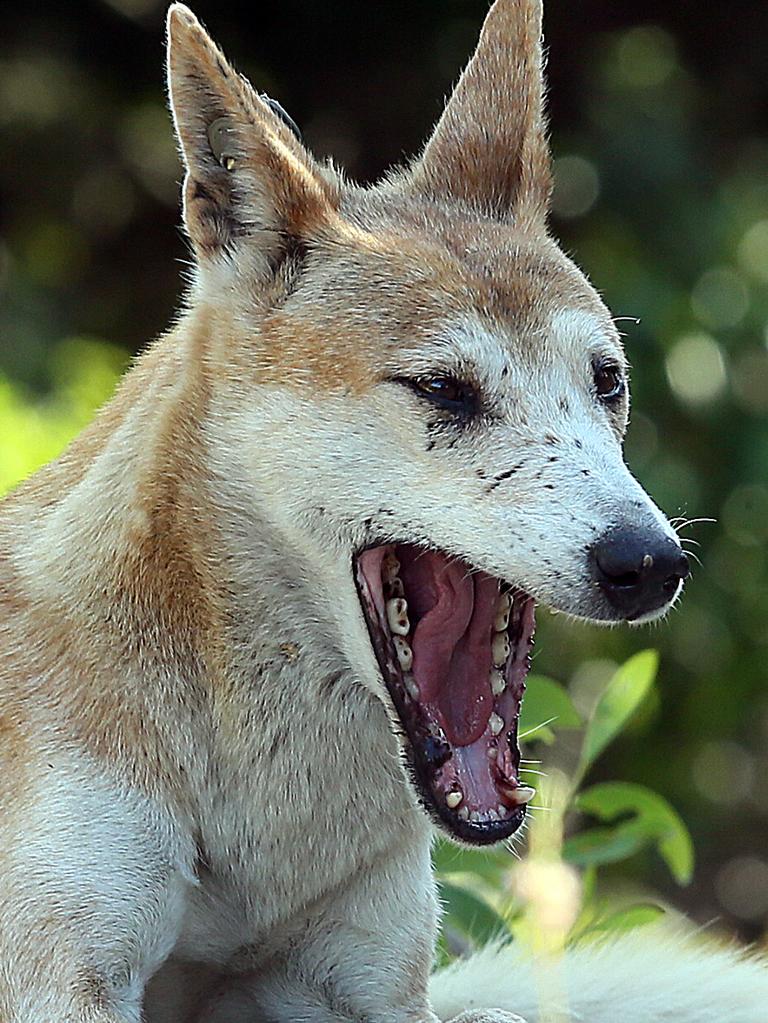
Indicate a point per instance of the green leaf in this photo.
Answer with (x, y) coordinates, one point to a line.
(606, 845)
(627, 919)
(652, 817)
(546, 703)
(623, 694)
(588, 885)
(471, 915)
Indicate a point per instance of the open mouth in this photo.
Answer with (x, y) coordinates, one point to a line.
(453, 645)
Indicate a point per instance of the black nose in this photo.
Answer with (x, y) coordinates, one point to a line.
(639, 570)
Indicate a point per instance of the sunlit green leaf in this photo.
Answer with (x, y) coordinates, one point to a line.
(606, 845)
(652, 817)
(627, 919)
(623, 694)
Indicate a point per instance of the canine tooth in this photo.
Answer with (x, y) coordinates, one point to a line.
(390, 566)
(523, 794)
(412, 687)
(503, 609)
(464, 813)
(404, 652)
(500, 649)
(496, 723)
(498, 682)
(502, 811)
(397, 616)
(453, 799)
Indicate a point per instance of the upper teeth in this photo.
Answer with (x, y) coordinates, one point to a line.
(498, 682)
(411, 686)
(500, 649)
(397, 616)
(503, 609)
(496, 723)
(390, 566)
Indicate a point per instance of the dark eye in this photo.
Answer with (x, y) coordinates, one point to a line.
(447, 392)
(610, 382)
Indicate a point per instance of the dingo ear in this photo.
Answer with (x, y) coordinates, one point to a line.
(247, 172)
(489, 147)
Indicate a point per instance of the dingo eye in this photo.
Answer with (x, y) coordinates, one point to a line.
(609, 381)
(447, 392)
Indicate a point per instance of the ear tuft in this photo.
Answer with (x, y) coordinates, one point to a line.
(247, 172)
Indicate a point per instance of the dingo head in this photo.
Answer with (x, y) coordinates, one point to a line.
(427, 393)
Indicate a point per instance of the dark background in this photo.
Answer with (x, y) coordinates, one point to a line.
(659, 118)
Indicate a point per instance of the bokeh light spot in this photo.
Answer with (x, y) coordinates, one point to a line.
(720, 298)
(742, 887)
(696, 369)
(753, 251)
(723, 772)
(749, 379)
(646, 56)
(577, 186)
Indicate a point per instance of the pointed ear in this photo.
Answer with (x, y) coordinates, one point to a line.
(490, 147)
(247, 174)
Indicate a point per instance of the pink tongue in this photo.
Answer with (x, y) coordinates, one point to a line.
(454, 611)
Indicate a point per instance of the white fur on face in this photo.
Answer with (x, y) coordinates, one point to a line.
(522, 493)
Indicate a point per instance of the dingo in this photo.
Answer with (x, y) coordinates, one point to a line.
(272, 611)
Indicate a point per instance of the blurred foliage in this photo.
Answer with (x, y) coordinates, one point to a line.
(35, 430)
(659, 118)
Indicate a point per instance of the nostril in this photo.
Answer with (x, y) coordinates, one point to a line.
(638, 569)
(618, 563)
(670, 585)
(683, 567)
(623, 579)
(680, 572)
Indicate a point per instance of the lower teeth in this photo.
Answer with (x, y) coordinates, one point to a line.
(412, 687)
(404, 652)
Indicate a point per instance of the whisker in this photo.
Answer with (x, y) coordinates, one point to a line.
(681, 522)
(542, 724)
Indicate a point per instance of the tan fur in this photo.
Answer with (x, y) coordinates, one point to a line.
(204, 814)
